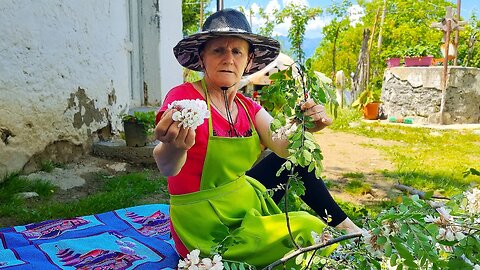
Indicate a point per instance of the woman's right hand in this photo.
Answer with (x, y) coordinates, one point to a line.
(169, 133)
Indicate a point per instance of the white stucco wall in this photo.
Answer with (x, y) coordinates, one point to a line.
(171, 73)
(64, 74)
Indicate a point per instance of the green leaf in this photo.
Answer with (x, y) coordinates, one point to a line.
(299, 259)
(381, 240)
(393, 259)
(288, 165)
(307, 155)
(403, 251)
(388, 249)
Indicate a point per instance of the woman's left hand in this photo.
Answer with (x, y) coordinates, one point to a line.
(317, 113)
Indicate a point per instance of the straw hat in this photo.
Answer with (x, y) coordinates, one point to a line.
(226, 22)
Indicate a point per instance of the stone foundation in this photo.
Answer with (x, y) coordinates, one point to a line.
(416, 92)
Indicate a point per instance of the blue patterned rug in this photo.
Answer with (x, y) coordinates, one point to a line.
(130, 238)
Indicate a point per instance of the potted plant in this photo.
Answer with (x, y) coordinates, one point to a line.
(137, 127)
(420, 55)
(393, 57)
(369, 102)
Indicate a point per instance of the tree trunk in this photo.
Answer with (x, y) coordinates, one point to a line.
(359, 78)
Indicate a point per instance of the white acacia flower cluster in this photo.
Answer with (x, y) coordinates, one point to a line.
(448, 230)
(473, 201)
(194, 262)
(190, 112)
(285, 131)
(321, 238)
(371, 244)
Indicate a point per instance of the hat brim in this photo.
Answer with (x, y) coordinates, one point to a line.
(265, 49)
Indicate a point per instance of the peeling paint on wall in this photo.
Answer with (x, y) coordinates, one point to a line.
(87, 112)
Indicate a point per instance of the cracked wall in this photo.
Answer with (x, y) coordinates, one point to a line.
(64, 78)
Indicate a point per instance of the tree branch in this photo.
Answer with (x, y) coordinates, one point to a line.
(413, 191)
(313, 247)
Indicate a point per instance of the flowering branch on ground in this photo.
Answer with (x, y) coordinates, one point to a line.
(416, 235)
(194, 262)
(190, 112)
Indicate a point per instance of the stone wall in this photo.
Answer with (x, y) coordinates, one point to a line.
(416, 92)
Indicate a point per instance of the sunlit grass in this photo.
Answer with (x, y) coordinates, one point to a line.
(426, 159)
(116, 192)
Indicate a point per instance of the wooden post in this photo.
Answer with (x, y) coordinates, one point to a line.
(445, 69)
(382, 21)
(457, 33)
(201, 14)
(447, 25)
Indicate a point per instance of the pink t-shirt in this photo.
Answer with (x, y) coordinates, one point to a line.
(188, 179)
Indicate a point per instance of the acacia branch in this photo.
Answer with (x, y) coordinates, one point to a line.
(414, 191)
(310, 248)
(286, 210)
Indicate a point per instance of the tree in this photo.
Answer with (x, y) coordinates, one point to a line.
(191, 15)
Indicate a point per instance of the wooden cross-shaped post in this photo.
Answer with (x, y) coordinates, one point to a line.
(447, 25)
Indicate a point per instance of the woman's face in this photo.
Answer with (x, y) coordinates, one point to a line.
(224, 60)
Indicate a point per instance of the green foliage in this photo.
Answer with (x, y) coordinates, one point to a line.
(422, 50)
(367, 96)
(191, 15)
(146, 119)
(416, 235)
(356, 186)
(406, 25)
(13, 184)
(471, 171)
(299, 15)
(282, 97)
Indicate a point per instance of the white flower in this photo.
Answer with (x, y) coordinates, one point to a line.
(190, 113)
(445, 234)
(371, 244)
(182, 264)
(284, 132)
(476, 267)
(459, 236)
(473, 201)
(317, 239)
(194, 262)
(430, 219)
(444, 213)
(194, 256)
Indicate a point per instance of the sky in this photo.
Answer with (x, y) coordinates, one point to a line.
(314, 28)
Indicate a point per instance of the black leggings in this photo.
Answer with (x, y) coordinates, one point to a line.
(316, 193)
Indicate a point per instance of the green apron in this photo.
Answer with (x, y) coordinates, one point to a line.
(228, 197)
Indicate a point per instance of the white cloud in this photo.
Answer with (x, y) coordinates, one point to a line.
(355, 12)
(271, 6)
(315, 26)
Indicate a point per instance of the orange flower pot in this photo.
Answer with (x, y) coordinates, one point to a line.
(370, 111)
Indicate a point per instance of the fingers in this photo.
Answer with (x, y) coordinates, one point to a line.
(316, 112)
(163, 126)
(169, 131)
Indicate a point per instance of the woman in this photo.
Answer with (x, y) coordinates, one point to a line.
(206, 167)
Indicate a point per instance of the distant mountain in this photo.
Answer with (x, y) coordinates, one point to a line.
(309, 45)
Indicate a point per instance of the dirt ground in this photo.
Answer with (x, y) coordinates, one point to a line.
(348, 153)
